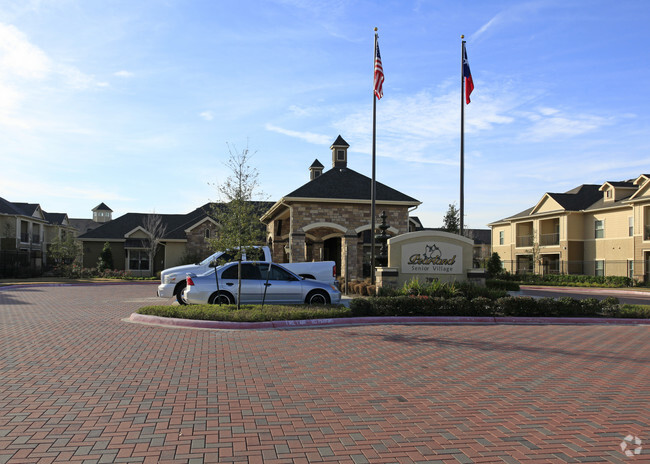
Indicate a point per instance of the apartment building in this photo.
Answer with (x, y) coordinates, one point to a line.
(591, 229)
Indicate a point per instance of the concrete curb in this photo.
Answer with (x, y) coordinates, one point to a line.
(73, 284)
(433, 320)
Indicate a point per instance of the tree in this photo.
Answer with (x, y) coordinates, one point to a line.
(238, 217)
(494, 266)
(153, 225)
(64, 250)
(105, 260)
(451, 220)
(535, 252)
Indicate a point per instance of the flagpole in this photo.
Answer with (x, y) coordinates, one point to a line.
(372, 186)
(462, 136)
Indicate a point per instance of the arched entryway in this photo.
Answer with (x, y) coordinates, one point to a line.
(332, 252)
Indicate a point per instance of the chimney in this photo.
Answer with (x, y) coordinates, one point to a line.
(339, 153)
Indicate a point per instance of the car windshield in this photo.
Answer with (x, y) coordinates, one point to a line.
(223, 258)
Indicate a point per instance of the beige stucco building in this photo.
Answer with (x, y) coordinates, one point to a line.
(591, 229)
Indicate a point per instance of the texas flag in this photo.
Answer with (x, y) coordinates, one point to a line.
(467, 75)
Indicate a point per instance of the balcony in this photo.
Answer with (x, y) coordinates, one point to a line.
(549, 239)
(24, 238)
(524, 240)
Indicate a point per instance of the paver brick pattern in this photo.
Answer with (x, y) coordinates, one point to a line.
(79, 384)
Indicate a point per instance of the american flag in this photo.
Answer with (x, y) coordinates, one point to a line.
(379, 74)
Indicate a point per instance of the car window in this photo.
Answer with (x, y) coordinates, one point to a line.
(277, 273)
(250, 271)
(230, 273)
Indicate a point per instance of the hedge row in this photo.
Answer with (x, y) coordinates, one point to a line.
(247, 313)
(570, 280)
(506, 306)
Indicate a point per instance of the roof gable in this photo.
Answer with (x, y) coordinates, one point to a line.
(547, 204)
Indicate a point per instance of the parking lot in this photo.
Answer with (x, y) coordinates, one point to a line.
(78, 383)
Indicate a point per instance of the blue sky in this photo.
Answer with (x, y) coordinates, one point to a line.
(133, 103)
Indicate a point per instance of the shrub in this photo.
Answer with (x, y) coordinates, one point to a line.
(501, 284)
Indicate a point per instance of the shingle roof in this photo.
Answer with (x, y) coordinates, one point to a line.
(346, 184)
(316, 164)
(102, 206)
(176, 224)
(578, 198)
(581, 198)
(55, 218)
(339, 142)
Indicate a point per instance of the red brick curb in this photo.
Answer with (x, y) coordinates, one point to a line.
(198, 324)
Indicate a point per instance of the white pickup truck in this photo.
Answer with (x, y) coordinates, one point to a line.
(172, 280)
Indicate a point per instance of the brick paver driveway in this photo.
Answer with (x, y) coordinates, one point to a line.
(79, 384)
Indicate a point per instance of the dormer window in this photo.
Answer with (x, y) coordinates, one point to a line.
(608, 194)
(340, 155)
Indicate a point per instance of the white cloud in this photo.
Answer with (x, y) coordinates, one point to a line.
(549, 124)
(19, 57)
(207, 115)
(123, 73)
(310, 137)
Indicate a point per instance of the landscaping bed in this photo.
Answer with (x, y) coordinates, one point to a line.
(416, 300)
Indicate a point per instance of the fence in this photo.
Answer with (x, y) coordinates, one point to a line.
(18, 264)
(627, 268)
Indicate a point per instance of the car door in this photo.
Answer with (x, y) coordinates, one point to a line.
(282, 287)
(251, 283)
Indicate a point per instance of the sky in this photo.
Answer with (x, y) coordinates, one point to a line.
(137, 104)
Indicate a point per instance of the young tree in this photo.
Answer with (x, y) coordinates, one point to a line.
(494, 266)
(238, 217)
(535, 253)
(105, 260)
(451, 220)
(153, 225)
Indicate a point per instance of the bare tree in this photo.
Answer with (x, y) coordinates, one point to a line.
(238, 215)
(156, 229)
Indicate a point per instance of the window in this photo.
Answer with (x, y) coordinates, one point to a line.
(630, 268)
(609, 193)
(248, 272)
(207, 233)
(138, 260)
(501, 237)
(630, 226)
(600, 228)
(600, 268)
(276, 273)
(340, 155)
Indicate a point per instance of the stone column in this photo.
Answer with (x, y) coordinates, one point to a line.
(318, 251)
(349, 257)
(297, 243)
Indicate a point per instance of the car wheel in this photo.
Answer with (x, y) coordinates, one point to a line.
(317, 297)
(179, 293)
(221, 298)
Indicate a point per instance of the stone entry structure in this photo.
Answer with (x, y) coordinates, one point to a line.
(328, 218)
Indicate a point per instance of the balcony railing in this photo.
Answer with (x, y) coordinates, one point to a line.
(24, 238)
(549, 239)
(524, 240)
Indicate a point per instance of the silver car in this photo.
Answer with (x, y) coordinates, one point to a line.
(268, 282)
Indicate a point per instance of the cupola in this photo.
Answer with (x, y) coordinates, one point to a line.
(339, 153)
(102, 213)
(315, 170)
